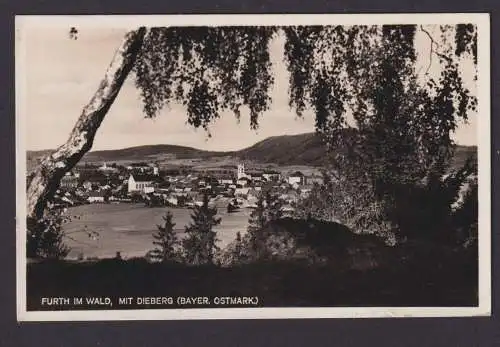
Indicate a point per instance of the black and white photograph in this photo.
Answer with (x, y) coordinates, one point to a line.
(252, 166)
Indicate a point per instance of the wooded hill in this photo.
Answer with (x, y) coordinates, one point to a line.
(302, 149)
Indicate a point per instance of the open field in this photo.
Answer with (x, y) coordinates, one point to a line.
(128, 228)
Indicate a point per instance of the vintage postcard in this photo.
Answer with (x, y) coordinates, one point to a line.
(252, 166)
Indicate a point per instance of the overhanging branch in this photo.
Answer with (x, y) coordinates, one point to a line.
(433, 49)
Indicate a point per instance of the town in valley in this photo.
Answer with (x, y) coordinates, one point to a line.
(232, 187)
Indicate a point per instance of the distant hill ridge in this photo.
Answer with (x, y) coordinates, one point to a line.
(301, 149)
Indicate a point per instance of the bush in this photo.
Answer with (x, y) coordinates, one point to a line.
(345, 200)
(45, 236)
(257, 240)
(272, 247)
(310, 241)
(465, 216)
(407, 210)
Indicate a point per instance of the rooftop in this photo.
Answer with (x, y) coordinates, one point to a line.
(144, 177)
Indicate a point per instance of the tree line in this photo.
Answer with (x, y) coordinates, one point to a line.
(199, 246)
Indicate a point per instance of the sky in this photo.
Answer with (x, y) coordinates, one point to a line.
(60, 75)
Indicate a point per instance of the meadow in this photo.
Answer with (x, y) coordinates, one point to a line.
(128, 228)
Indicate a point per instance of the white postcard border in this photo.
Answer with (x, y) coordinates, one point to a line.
(482, 20)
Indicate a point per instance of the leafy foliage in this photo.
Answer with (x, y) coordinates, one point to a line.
(466, 40)
(341, 72)
(256, 224)
(260, 243)
(465, 216)
(257, 237)
(390, 176)
(348, 200)
(45, 236)
(200, 243)
(334, 68)
(73, 33)
(207, 69)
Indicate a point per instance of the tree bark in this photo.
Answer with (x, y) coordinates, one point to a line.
(47, 176)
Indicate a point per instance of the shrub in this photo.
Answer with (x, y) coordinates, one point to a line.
(465, 216)
(310, 241)
(268, 210)
(402, 209)
(346, 200)
(45, 236)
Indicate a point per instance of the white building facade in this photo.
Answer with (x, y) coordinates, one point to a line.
(140, 185)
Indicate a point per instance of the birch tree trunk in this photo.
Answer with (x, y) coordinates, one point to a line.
(47, 176)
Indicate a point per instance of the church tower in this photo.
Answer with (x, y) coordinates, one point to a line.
(241, 171)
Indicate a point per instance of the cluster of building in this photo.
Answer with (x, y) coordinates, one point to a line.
(146, 182)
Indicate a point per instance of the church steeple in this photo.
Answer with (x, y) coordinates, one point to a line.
(241, 171)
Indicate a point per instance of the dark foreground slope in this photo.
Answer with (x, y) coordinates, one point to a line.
(284, 284)
(422, 275)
